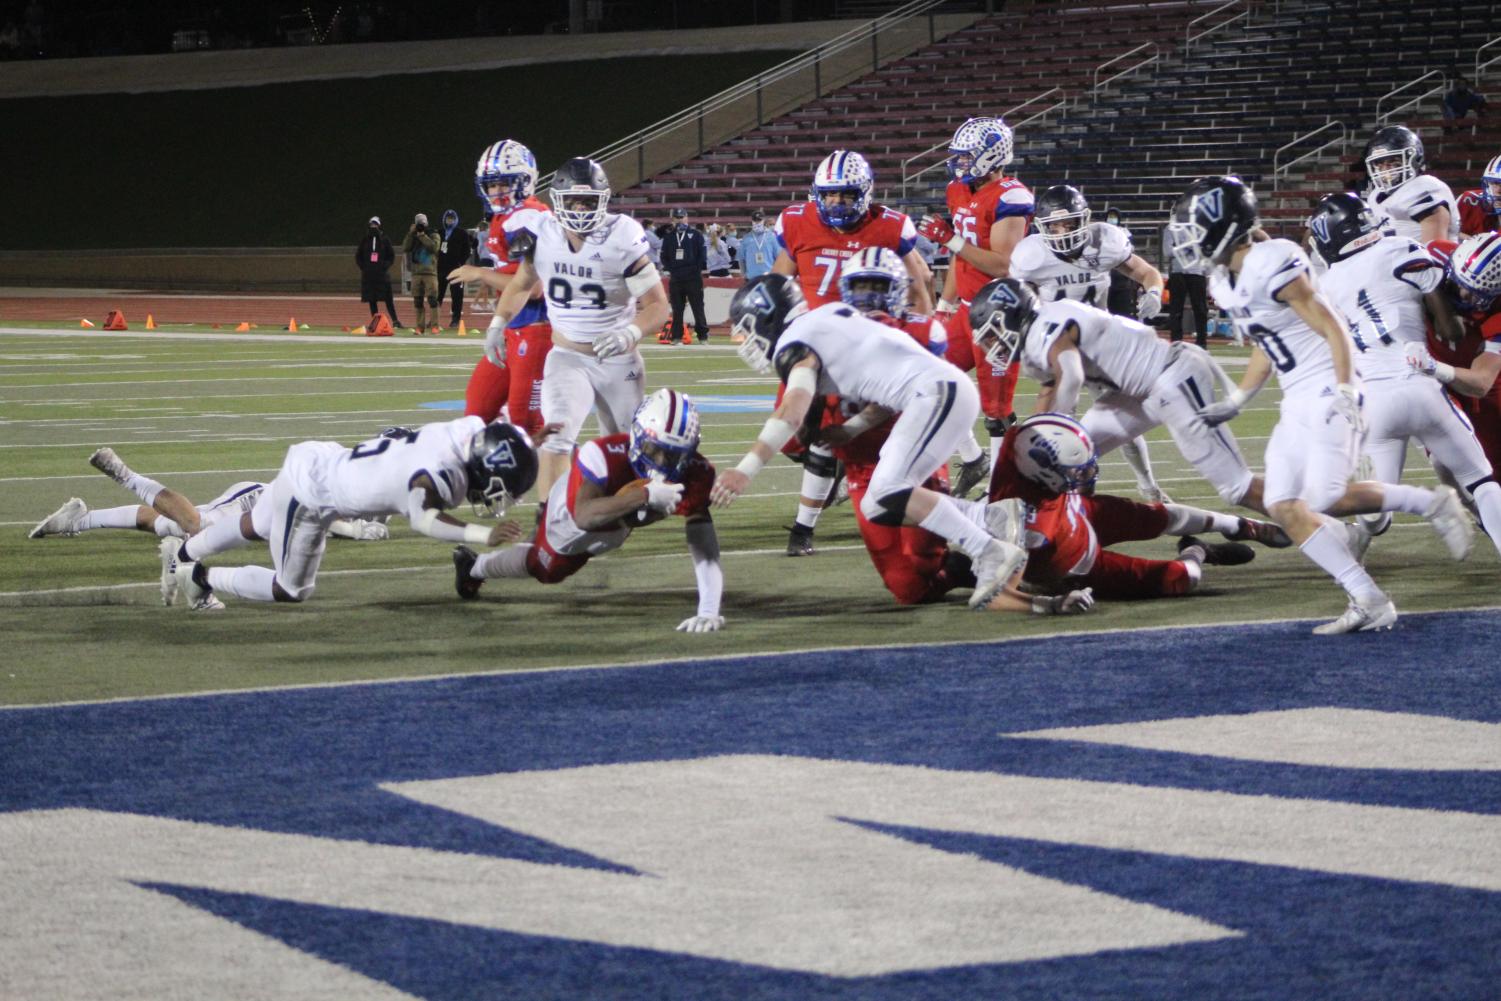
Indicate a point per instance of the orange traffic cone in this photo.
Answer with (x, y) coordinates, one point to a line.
(150, 322)
(358, 330)
(215, 325)
(381, 327)
(115, 321)
(84, 323)
(463, 331)
(243, 326)
(291, 323)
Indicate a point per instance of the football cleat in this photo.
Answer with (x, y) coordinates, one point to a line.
(107, 462)
(1376, 524)
(1152, 492)
(63, 521)
(1218, 554)
(465, 582)
(168, 550)
(1447, 516)
(1362, 617)
(800, 541)
(971, 475)
(192, 581)
(1266, 533)
(994, 569)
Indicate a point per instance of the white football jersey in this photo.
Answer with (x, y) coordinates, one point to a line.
(1118, 353)
(585, 289)
(1300, 355)
(1084, 278)
(375, 476)
(861, 359)
(1405, 206)
(1380, 292)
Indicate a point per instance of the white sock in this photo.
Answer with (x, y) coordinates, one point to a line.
(1488, 500)
(969, 449)
(110, 517)
(220, 537)
(1411, 500)
(1185, 520)
(995, 448)
(947, 521)
(164, 526)
(143, 487)
(1328, 549)
(1136, 456)
(818, 488)
(974, 510)
(250, 583)
(508, 562)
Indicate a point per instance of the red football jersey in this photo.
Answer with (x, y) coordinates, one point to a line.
(973, 213)
(1473, 217)
(606, 462)
(535, 311)
(865, 450)
(819, 251)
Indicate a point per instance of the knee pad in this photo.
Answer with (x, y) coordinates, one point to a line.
(820, 463)
(888, 509)
(998, 426)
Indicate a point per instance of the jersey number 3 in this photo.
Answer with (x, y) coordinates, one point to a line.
(561, 293)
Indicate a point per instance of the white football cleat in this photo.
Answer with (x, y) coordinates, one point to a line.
(200, 596)
(63, 521)
(994, 569)
(1005, 520)
(168, 550)
(1447, 516)
(107, 462)
(1152, 493)
(1359, 618)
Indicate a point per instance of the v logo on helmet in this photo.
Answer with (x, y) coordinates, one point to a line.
(1320, 227)
(502, 457)
(1212, 204)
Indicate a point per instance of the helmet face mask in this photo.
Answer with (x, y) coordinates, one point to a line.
(842, 188)
(1054, 451)
(1394, 157)
(761, 309)
(505, 176)
(580, 195)
(1000, 317)
(1474, 272)
(875, 280)
(980, 147)
(1209, 220)
(1490, 186)
(664, 435)
(1062, 218)
(501, 466)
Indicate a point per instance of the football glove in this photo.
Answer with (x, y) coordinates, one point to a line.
(663, 496)
(937, 229)
(1073, 603)
(371, 531)
(1219, 412)
(617, 342)
(1424, 363)
(1346, 404)
(1150, 305)
(495, 342)
(701, 624)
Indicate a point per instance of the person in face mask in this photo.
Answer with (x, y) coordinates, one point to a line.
(685, 259)
(758, 248)
(454, 248)
(373, 257)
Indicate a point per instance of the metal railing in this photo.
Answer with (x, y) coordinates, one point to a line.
(1480, 67)
(1188, 32)
(733, 104)
(1007, 116)
(1343, 139)
(1149, 60)
(1382, 117)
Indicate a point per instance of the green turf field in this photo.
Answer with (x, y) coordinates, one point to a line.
(83, 619)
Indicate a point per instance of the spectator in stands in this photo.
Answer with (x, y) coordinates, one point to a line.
(454, 248)
(374, 256)
(421, 249)
(1185, 287)
(758, 248)
(1461, 100)
(717, 254)
(685, 257)
(653, 241)
(1124, 292)
(732, 241)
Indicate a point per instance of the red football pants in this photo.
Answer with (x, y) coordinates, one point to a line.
(908, 558)
(1118, 577)
(996, 388)
(516, 385)
(546, 564)
(1485, 414)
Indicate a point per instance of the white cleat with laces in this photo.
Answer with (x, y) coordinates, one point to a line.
(107, 462)
(1447, 516)
(1360, 617)
(63, 521)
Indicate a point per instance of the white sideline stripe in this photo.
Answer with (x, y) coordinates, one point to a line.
(290, 338)
(665, 661)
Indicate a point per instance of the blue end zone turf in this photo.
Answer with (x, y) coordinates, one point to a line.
(310, 761)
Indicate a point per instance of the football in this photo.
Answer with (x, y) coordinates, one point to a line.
(631, 486)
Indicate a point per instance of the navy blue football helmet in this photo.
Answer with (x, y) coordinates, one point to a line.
(1209, 219)
(501, 466)
(760, 311)
(1343, 225)
(1000, 317)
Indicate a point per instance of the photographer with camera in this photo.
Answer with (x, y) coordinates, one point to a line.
(421, 248)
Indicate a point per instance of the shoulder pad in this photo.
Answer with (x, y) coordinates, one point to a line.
(1029, 254)
(791, 355)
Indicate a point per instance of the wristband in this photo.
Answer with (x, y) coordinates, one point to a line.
(1045, 605)
(955, 244)
(634, 331)
(944, 306)
(1443, 372)
(750, 465)
(499, 322)
(478, 535)
(1239, 397)
(1347, 390)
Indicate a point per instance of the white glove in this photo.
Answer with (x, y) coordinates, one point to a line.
(1150, 305)
(371, 531)
(1073, 603)
(701, 624)
(1346, 404)
(1219, 412)
(1425, 364)
(617, 342)
(495, 342)
(663, 496)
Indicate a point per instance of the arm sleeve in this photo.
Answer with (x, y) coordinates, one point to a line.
(703, 546)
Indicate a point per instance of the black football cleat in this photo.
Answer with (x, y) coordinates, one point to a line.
(1219, 554)
(799, 541)
(464, 582)
(1265, 532)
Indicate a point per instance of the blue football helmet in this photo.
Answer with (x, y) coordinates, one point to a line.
(506, 163)
(980, 147)
(664, 435)
(882, 268)
(842, 173)
(501, 466)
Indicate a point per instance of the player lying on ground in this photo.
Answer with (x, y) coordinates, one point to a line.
(165, 512)
(418, 474)
(617, 484)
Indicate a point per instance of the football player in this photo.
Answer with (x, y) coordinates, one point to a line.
(1048, 462)
(1480, 208)
(815, 238)
(506, 179)
(418, 474)
(1264, 285)
(833, 350)
(1383, 285)
(988, 213)
(163, 511)
(1415, 204)
(602, 290)
(617, 484)
(1070, 257)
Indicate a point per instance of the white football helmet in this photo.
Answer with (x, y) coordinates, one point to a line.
(664, 434)
(876, 266)
(1490, 185)
(980, 146)
(842, 172)
(1475, 270)
(1054, 451)
(510, 164)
